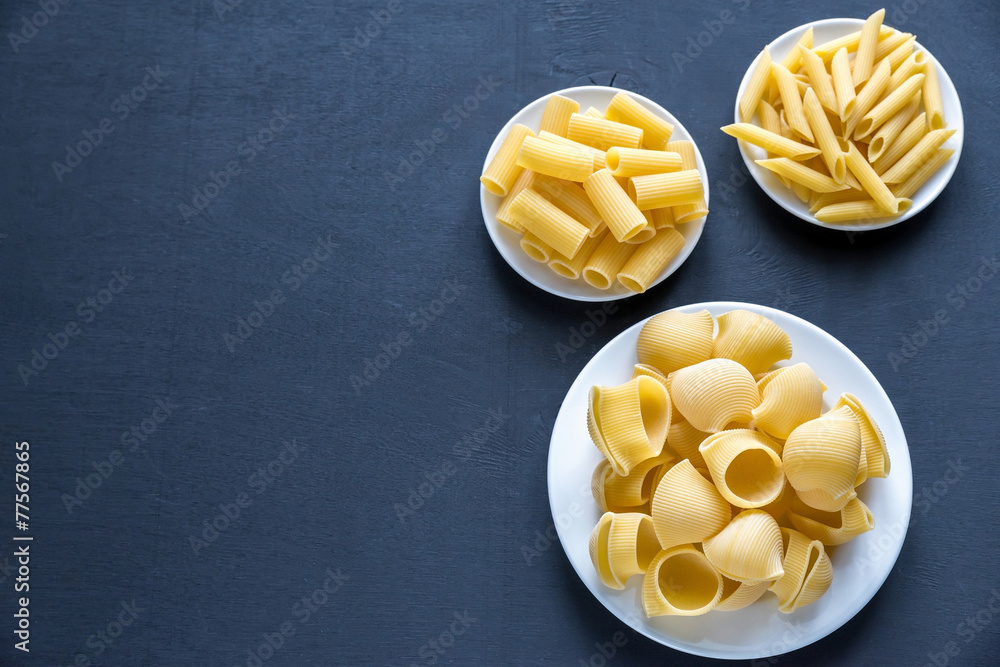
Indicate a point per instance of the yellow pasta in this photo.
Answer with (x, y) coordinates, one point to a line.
(754, 91)
(849, 42)
(843, 84)
(821, 459)
(870, 181)
(745, 467)
(872, 442)
(625, 162)
(554, 159)
(800, 173)
(820, 79)
(602, 133)
(908, 187)
(572, 268)
(572, 199)
(684, 441)
(714, 393)
(687, 507)
(890, 44)
(548, 222)
(603, 266)
(891, 128)
(828, 198)
(614, 205)
(629, 111)
(916, 63)
(863, 211)
(869, 95)
(680, 582)
(790, 397)
(888, 107)
(738, 595)
(662, 217)
(594, 113)
(685, 213)
(832, 148)
(791, 100)
(865, 57)
(635, 490)
(628, 423)
(555, 118)
(672, 340)
(917, 156)
(808, 572)
(621, 546)
(907, 139)
(793, 60)
(503, 169)
(597, 155)
(751, 340)
(649, 260)
(773, 143)
(748, 549)
(933, 102)
(646, 369)
(670, 189)
(898, 56)
(832, 528)
(503, 213)
(536, 249)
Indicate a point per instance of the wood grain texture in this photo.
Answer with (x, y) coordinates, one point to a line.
(410, 273)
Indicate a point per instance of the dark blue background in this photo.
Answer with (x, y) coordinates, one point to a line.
(351, 116)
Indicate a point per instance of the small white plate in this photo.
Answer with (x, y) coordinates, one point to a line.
(824, 31)
(508, 242)
(760, 630)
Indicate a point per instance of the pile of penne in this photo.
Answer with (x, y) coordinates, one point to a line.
(597, 195)
(853, 138)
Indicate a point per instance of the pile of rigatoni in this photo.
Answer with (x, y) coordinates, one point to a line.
(597, 195)
(854, 138)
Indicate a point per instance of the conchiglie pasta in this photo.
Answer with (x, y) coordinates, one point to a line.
(672, 340)
(832, 528)
(737, 595)
(752, 340)
(684, 440)
(649, 371)
(628, 423)
(790, 397)
(714, 393)
(621, 546)
(808, 572)
(680, 582)
(686, 507)
(821, 459)
(872, 443)
(635, 489)
(745, 467)
(778, 508)
(748, 549)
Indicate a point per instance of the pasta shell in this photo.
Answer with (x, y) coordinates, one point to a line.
(714, 393)
(628, 423)
(790, 397)
(649, 371)
(738, 594)
(751, 340)
(687, 507)
(832, 528)
(684, 439)
(680, 582)
(748, 549)
(635, 489)
(778, 508)
(745, 467)
(622, 545)
(673, 340)
(872, 442)
(821, 459)
(808, 571)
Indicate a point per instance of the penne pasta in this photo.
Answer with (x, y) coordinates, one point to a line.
(888, 107)
(798, 172)
(843, 84)
(793, 60)
(555, 118)
(671, 189)
(555, 159)
(860, 211)
(819, 78)
(608, 258)
(891, 129)
(649, 260)
(626, 109)
(917, 156)
(864, 59)
(626, 162)
(827, 198)
(870, 180)
(933, 104)
(756, 86)
(833, 149)
(891, 43)
(548, 222)
(898, 56)
(771, 142)
(771, 122)
(908, 187)
(503, 169)
(791, 100)
(614, 205)
(601, 133)
(848, 42)
(869, 95)
(906, 140)
(914, 64)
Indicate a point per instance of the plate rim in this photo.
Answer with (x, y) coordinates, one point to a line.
(870, 591)
(495, 229)
(947, 171)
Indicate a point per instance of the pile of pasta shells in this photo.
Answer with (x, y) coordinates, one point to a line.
(722, 478)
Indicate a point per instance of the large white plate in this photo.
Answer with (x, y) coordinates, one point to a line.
(860, 566)
(824, 31)
(508, 242)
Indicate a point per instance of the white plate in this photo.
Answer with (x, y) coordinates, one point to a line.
(760, 630)
(824, 31)
(508, 242)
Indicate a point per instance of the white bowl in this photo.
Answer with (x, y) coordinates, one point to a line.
(823, 31)
(760, 630)
(508, 242)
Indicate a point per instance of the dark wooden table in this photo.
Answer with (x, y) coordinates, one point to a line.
(242, 339)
